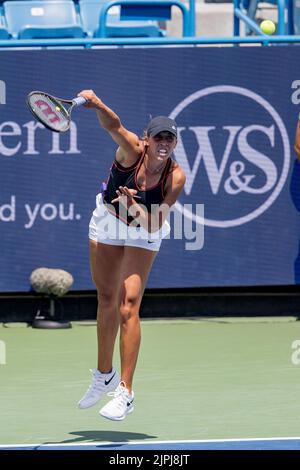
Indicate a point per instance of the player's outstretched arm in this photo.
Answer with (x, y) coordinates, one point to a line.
(128, 142)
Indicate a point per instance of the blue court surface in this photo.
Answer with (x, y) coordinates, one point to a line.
(286, 443)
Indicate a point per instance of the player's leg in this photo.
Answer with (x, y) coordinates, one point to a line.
(136, 265)
(105, 263)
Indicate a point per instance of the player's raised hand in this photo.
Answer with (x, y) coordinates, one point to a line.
(93, 101)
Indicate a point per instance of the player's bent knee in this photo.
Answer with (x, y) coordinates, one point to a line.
(129, 308)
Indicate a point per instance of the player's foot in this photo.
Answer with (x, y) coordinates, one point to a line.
(101, 384)
(121, 404)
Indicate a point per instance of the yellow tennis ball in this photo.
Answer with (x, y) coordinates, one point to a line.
(57, 108)
(267, 27)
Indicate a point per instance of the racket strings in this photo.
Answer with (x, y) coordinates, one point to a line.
(50, 112)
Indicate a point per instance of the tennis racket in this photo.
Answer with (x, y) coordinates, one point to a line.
(54, 113)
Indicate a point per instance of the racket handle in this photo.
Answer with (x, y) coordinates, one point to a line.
(79, 100)
(103, 188)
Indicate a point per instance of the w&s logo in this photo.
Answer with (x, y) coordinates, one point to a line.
(235, 151)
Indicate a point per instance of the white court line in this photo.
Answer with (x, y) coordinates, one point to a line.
(105, 443)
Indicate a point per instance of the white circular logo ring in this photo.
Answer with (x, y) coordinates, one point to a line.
(286, 150)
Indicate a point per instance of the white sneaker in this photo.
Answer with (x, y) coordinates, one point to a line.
(101, 384)
(120, 406)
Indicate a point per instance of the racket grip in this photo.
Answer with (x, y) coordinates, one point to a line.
(79, 100)
(103, 188)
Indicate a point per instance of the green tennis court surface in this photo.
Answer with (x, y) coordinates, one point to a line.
(196, 380)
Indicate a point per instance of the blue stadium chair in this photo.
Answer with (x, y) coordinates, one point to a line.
(296, 16)
(146, 10)
(3, 30)
(245, 10)
(90, 14)
(42, 19)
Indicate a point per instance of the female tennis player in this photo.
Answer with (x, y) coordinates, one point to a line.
(125, 232)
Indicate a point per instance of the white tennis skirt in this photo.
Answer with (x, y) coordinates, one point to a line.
(105, 228)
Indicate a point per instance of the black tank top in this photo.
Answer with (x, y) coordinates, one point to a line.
(121, 176)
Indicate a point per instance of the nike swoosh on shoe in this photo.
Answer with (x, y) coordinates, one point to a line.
(108, 381)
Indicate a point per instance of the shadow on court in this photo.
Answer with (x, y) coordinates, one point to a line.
(105, 436)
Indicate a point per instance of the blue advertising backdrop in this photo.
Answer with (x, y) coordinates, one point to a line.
(237, 111)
